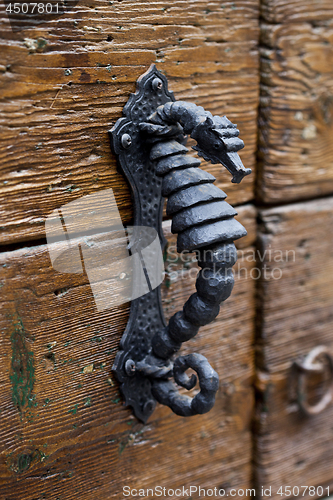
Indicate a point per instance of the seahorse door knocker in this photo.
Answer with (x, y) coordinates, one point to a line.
(149, 142)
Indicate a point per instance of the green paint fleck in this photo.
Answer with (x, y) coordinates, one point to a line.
(88, 368)
(122, 446)
(22, 368)
(42, 456)
(128, 440)
(46, 401)
(74, 410)
(41, 43)
(29, 416)
(67, 343)
(96, 339)
(101, 366)
(87, 402)
(116, 401)
(24, 462)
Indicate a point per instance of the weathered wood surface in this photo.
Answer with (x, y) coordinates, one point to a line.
(296, 110)
(65, 433)
(295, 316)
(64, 84)
(298, 11)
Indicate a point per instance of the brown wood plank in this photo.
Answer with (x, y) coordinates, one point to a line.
(64, 431)
(296, 104)
(284, 11)
(295, 316)
(64, 85)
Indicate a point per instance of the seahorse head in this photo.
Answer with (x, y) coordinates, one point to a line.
(218, 142)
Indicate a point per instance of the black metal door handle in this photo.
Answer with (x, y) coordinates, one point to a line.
(150, 145)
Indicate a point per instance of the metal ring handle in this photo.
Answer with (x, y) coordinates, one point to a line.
(310, 365)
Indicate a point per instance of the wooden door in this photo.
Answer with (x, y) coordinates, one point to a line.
(65, 432)
(295, 172)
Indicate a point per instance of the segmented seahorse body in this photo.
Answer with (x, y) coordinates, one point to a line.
(204, 222)
(216, 136)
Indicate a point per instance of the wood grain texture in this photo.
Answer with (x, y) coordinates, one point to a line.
(299, 11)
(64, 85)
(296, 315)
(296, 103)
(65, 433)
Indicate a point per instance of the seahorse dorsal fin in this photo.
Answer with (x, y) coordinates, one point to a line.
(209, 122)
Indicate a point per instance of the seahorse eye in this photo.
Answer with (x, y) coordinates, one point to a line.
(216, 145)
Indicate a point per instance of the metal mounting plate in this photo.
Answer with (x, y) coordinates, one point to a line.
(146, 314)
